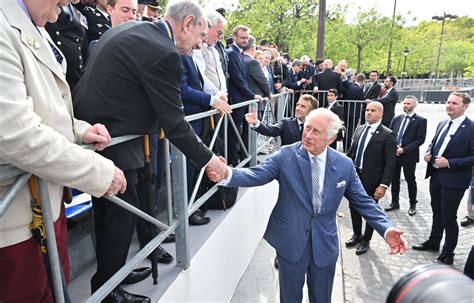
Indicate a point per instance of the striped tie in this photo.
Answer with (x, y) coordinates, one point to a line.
(315, 172)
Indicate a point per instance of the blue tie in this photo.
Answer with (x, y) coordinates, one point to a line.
(402, 130)
(439, 143)
(360, 148)
(57, 55)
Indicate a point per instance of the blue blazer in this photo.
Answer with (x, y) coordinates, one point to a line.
(194, 99)
(292, 221)
(413, 137)
(460, 155)
(288, 130)
(238, 88)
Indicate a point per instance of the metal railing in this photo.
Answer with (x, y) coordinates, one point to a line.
(177, 202)
(179, 206)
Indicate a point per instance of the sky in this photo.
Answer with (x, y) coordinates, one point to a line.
(421, 9)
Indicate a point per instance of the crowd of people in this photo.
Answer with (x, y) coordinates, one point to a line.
(84, 71)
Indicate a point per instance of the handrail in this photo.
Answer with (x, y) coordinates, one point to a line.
(178, 224)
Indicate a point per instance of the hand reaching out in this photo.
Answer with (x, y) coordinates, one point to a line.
(397, 242)
(251, 117)
(217, 169)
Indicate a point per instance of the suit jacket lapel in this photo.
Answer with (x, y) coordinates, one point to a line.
(374, 135)
(305, 168)
(32, 39)
(329, 177)
(456, 135)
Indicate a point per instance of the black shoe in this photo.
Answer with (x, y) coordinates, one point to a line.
(353, 240)
(412, 209)
(137, 275)
(363, 247)
(427, 245)
(467, 221)
(275, 263)
(392, 206)
(163, 256)
(198, 220)
(119, 295)
(444, 258)
(170, 239)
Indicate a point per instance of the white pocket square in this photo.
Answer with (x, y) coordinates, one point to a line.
(341, 184)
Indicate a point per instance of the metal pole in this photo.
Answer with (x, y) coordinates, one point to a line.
(321, 29)
(51, 241)
(439, 46)
(389, 61)
(180, 206)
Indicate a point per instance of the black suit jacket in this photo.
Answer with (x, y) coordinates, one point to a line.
(460, 155)
(372, 91)
(287, 129)
(379, 157)
(413, 137)
(239, 90)
(328, 79)
(258, 83)
(136, 90)
(70, 37)
(389, 101)
(338, 109)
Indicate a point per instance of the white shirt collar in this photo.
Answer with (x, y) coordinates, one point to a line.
(458, 120)
(322, 156)
(374, 126)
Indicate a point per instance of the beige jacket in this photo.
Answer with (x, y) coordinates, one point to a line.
(37, 128)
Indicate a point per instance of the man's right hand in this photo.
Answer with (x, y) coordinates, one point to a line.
(217, 169)
(220, 103)
(251, 117)
(119, 183)
(258, 97)
(427, 157)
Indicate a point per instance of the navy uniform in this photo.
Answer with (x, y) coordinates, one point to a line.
(97, 23)
(69, 35)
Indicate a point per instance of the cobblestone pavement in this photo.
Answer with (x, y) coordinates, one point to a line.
(369, 277)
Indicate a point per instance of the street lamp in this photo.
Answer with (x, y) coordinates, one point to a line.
(442, 19)
(405, 53)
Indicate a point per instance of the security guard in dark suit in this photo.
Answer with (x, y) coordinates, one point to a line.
(97, 22)
(69, 35)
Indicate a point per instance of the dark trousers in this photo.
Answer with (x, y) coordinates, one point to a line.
(23, 276)
(409, 172)
(233, 143)
(114, 228)
(356, 218)
(291, 278)
(444, 204)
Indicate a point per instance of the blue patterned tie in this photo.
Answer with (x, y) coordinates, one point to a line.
(57, 55)
(439, 143)
(402, 130)
(315, 172)
(360, 148)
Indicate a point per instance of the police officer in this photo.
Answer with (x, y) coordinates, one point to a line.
(69, 35)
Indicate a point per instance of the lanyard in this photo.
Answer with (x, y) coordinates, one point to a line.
(167, 27)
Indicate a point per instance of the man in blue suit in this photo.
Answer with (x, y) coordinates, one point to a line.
(290, 130)
(238, 88)
(302, 227)
(450, 158)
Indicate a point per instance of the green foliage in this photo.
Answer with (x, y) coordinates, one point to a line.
(364, 43)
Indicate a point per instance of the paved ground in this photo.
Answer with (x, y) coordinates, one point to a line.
(369, 278)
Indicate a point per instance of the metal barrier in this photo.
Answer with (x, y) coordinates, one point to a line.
(179, 208)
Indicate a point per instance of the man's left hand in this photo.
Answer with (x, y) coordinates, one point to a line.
(379, 192)
(397, 242)
(97, 134)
